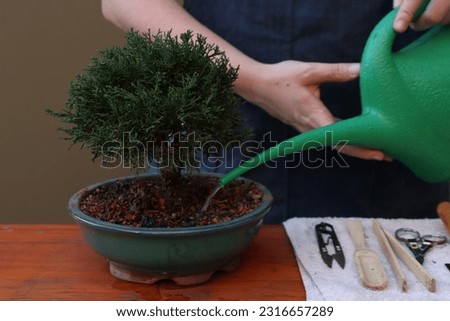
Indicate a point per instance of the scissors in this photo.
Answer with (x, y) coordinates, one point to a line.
(417, 243)
(325, 231)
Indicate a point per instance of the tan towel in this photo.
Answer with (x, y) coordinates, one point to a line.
(336, 284)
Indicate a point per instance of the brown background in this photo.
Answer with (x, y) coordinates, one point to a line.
(43, 45)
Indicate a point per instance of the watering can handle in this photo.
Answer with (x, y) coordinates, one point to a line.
(378, 48)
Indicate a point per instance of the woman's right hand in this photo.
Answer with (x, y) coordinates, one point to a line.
(436, 13)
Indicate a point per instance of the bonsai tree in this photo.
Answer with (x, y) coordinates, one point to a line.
(160, 100)
(157, 101)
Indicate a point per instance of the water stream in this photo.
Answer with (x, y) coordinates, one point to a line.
(209, 199)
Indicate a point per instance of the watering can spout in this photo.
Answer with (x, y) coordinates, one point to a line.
(340, 133)
(405, 99)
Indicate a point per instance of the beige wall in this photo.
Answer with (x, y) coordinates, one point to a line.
(43, 44)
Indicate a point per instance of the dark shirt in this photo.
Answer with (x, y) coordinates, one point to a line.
(317, 183)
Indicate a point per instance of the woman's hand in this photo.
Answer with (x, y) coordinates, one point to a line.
(290, 91)
(436, 13)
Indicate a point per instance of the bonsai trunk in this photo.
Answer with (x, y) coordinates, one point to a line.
(172, 178)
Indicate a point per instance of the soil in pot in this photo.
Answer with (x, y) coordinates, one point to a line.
(146, 202)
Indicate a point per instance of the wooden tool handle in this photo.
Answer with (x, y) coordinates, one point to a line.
(411, 263)
(390, 255)
(357, 233)
(443, 210)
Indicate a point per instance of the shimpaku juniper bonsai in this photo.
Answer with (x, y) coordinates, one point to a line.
(158, 100)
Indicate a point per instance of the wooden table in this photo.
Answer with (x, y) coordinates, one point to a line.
(52, 262)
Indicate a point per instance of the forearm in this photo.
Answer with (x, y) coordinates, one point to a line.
(165, 15)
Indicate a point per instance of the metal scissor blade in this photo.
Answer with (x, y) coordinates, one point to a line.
(327, 258)
(420, 258)
(418, 250)
(340, 258)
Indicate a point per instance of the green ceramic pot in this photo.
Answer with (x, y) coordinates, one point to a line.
(187, 255)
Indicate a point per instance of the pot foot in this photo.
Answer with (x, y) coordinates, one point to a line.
(128, 274)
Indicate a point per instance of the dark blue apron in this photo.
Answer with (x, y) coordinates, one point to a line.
(318, 31)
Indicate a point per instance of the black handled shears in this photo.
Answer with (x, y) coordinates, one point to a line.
(325, 234)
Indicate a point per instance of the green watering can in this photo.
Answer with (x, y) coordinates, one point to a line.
(405, 106)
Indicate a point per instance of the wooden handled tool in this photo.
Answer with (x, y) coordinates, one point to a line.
(443, 209)
(390, 255)
(391, 246)
(371, 270)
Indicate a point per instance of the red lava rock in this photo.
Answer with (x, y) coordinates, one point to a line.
(146, 202)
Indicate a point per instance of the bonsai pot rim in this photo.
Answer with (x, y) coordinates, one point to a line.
(80, 216)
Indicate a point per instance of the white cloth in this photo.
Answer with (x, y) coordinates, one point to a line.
(336, 284)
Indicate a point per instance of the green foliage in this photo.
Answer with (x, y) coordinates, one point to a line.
(156, 99)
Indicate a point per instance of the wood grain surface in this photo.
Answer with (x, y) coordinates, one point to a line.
(52, 262)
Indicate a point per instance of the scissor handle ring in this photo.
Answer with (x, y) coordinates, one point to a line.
(407, 234)
(435, 238)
